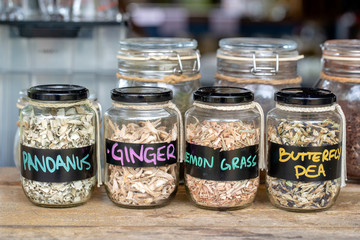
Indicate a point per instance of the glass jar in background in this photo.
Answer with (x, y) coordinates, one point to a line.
(262, 65)
(341, 75)
(143, 147)
(59, 142)
(306, 150)
(223, 147)
(56, 10)
(173, 63)
(21, 103)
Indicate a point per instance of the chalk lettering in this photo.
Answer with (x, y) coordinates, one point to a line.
(128, 154)
(326, 155)
(226, 167)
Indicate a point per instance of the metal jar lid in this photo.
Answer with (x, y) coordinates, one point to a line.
(223, 95)
(305, 96)
(58, 92)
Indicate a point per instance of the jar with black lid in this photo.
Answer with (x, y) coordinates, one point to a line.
(143, 138)
(59, 145)
(224, 145)
(306, 154)
(341, 75)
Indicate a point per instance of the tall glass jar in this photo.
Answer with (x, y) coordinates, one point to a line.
(306, 155)
(172, 63)
(58, 137)
(341, 75)
(143, 146)
(263, 65)
(223, 136)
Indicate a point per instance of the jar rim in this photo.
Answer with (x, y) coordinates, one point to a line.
(224, 95)
(258, 44)
(58, 92)
(141, 94)
(154, 43)
(305, 96)
(341, 48)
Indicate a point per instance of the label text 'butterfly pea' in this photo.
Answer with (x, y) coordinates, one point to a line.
(306, 164)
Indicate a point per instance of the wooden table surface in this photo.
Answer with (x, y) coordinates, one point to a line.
(99, 218)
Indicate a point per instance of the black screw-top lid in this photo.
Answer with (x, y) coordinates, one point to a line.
(58, 92)
(305, 96)
(223, 95)
(141, 94)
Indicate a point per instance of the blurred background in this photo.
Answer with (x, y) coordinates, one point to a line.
(307, 22)
(76, 41)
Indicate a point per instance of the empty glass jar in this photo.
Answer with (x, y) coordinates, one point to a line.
(262, 65)
(173, 63)
(142, 140)
(341, 75)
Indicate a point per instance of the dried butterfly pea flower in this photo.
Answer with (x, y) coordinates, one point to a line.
(298, 194)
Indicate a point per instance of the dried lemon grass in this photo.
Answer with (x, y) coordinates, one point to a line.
(226, 136)
(142, 186)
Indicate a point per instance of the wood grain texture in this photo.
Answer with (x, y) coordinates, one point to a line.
(101, 219)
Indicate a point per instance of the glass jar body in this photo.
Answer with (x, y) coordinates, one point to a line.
(173, 63)
(348, 95)
(146, 134)
(182, 91)
(300, 130)
(263, 92)
(53, 140)
(220, 134)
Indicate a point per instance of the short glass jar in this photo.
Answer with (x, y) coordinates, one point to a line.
(262, 65)
(306, 158)
(172, 63)
(58, 145)
(22, 102)
(223, 144)
(341, 75)
(143, 146)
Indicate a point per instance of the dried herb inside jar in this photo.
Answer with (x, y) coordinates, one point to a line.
(59, 128)
(300, 194)
(352, 113)
(223, 136)
(141, 186)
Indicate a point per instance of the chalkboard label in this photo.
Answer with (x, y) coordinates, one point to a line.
(307, 164)
(213, 164)
(58, 165)
(141, 155)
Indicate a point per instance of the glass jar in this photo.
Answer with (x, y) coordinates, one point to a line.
(172, 63)
(59, 146)
(22, 102)
(262, 65)
(143, 145)
(341, 75)
(223, 133)
(305, 133)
